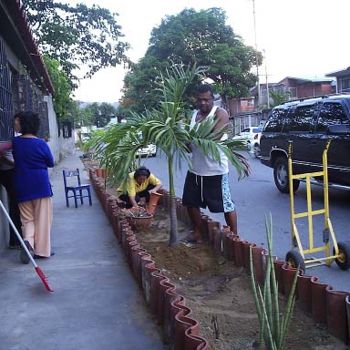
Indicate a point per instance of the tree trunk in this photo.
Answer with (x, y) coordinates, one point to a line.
(172, 205)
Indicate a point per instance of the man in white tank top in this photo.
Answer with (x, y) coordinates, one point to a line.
(206, 183)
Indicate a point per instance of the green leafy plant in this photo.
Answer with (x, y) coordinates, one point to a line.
(273, 325)
(166, 127)
(279, 97)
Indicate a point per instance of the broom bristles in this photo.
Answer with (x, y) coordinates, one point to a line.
(43, 278)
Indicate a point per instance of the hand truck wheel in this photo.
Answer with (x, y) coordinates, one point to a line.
(343, 260)
(294, 259)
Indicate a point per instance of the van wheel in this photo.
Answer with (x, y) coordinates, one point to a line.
(280, 175)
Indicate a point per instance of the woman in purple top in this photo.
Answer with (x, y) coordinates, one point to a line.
(32, 157)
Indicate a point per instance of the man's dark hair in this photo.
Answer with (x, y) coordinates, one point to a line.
(141, 171)
(29, 122)
(203, 88)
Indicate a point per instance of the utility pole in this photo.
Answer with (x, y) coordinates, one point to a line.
(256, 55)
(267, 83)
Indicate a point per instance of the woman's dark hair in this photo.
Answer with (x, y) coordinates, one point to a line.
(141, 171)
(29, 122)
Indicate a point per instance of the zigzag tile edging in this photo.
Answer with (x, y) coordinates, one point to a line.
(180, 329)
(317, 299)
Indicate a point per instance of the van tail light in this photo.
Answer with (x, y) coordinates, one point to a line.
(256, 136)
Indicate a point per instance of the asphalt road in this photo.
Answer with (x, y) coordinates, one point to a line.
(256, 196)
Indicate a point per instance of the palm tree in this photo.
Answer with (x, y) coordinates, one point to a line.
(166, 127)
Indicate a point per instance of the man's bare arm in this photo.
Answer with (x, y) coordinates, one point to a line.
(223, 120)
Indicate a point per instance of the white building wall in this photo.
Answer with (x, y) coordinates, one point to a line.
(60, 147)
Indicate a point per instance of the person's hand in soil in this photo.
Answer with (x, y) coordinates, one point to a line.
(142, 202)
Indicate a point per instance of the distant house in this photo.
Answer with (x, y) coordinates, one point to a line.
(247, 111)
(295, 88)
(301, 88)
(240, 105)
(343, 80)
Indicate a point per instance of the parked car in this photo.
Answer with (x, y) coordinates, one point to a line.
(252, 136)
(308, 124)
(148, 151)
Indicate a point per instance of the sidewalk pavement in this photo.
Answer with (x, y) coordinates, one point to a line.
(96, 304)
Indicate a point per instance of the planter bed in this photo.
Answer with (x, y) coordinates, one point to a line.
(213, 278)
(219, 293)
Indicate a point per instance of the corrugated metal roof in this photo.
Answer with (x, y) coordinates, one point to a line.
(339, 73)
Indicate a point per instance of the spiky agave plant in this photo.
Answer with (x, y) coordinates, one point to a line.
(273, 325)
(166, 128)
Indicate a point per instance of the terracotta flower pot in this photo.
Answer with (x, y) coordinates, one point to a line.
(288, 275)
(136, 255)
(228, 250)
(204, 226)
(217, 241)
(265, 257)
(239, 254)
(169, 298)
(318, 298)
(337, 314)
(104, 173)
(246, 254)
(257, 254)
(278, 272)
(156, 277)
(153, 202)
(347, 303)
(197, 343)
(147, 267)
(304, 293)
(98, 172)
(213, 226)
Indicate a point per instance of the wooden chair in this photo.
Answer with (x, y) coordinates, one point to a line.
(77, 190)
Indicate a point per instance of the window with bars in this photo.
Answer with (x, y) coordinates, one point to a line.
(6, 110)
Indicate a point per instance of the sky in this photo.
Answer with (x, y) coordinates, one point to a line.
(299, 38)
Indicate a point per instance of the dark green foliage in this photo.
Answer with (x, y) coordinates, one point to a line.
(61, 98)
(77, 35)
(192, 37)
(279, 97)
(100, 113)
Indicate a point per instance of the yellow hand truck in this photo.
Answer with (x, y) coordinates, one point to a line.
(298, 257)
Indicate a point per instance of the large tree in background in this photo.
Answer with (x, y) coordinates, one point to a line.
(101, 113)
(77, 36)
(200, 37)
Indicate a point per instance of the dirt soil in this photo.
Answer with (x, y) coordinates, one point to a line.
(220, 296)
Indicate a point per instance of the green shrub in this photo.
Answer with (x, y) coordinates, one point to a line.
(273, 324)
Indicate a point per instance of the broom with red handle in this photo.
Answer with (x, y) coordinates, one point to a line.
(38, 270)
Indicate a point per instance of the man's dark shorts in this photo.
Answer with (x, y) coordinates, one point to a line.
(208, 191)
